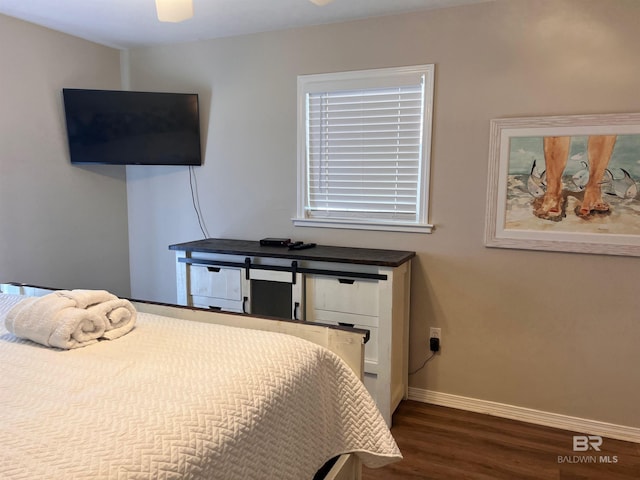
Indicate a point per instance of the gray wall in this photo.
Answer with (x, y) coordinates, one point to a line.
(60, 225)
(551, 331)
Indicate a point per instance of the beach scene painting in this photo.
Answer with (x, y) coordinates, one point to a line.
(565, 183)
(617, 209)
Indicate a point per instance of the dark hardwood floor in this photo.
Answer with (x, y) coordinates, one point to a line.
(446, 443)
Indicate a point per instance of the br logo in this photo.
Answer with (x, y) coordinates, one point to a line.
(583, 443)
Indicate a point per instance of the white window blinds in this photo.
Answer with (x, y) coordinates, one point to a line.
(365, 149)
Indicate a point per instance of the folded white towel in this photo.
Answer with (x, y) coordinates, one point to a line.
(119, 316)
(86, 298)
(54, 321)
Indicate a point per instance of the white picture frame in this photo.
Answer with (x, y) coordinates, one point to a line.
(521, 212)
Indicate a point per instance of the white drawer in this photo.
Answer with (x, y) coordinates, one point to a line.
(329, 316)
(215, 282)
(217, 303)
(370, 348)
(348, 295)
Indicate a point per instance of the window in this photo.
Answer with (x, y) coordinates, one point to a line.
(363, 149)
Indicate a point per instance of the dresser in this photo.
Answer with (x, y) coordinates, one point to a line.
(353, 287)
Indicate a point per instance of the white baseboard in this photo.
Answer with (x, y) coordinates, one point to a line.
(555, 420)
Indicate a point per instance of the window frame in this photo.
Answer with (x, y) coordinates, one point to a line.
(363, 79)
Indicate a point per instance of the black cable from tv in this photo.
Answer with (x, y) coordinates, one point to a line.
(193, 184)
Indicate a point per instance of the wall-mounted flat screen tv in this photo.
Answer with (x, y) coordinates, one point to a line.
(132, 128)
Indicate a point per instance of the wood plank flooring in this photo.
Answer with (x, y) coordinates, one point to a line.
(445, 443)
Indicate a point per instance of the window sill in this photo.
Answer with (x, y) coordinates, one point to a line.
(355, 225)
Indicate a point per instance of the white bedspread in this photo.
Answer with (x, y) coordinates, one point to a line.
(179, 399)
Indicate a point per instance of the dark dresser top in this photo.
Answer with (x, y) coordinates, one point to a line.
(324, 253)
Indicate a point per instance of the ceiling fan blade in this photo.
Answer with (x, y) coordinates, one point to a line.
(321, 3)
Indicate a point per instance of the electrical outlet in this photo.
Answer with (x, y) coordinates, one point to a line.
(435, 333)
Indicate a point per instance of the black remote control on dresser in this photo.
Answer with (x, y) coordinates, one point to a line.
(301, 246)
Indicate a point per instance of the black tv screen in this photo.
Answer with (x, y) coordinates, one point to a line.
(132, 128)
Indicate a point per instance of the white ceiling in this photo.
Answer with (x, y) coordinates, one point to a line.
(133, 23)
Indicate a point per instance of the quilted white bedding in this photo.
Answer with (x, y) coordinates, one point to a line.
(178, 399)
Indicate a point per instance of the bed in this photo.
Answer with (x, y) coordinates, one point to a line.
(188, 395)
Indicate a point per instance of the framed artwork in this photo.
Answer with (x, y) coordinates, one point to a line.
(565, 183)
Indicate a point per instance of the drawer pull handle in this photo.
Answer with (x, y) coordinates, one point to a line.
(213, 307)
(213, 269)
(346, 281)
(350, 325)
